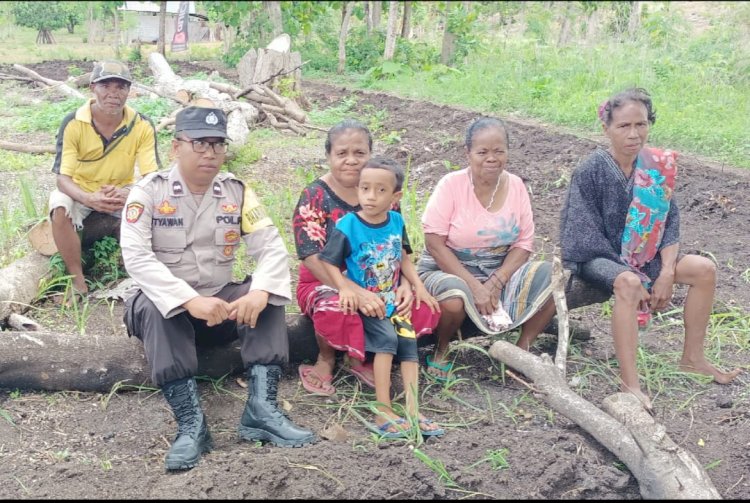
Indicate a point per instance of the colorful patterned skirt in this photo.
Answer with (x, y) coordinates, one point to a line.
(341, 331)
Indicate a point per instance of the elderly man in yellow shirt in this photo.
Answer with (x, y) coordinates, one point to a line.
(97, 149)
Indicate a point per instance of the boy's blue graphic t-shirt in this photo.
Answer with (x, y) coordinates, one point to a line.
(371, 253)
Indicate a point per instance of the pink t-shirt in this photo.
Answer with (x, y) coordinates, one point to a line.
(454, 211)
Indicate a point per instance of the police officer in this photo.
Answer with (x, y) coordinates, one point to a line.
(181, 231)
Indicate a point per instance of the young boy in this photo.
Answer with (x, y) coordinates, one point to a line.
(373, 247)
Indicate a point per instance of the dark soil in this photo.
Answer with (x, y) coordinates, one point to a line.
(91, 445)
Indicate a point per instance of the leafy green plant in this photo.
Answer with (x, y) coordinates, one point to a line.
(107, 265)
(436, 466)
(154, 109)
(334, 114)
(63, 455)
(6, 415)
(134, 54)
(385, 70)
(243, 157)
(47, 116)
(497, 458)
(392, 137)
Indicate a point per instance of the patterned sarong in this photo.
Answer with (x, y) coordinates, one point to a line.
(526, 292)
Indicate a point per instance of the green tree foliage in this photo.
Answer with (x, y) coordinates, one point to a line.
(74, 14)
(300, 17)
(43, 16)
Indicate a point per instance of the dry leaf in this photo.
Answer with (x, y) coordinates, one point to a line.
(335, 432)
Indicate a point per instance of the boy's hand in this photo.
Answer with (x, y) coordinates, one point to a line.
(404, 299)
(371, 304)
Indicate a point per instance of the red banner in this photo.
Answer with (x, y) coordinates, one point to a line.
(180, 39)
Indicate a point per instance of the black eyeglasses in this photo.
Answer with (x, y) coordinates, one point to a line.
(201, 146)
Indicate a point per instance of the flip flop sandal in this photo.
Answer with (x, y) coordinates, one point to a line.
(364, 373)
(383, 432)
(325, 388)
(437, 432)
(446, 367)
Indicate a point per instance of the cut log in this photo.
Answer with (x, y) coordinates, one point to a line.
(28, 149)
(269, 66)
(60, 86)
(20, 283)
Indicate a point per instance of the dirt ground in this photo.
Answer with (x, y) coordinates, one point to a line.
(112, 445)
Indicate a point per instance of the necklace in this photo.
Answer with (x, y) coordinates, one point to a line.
(494, 192)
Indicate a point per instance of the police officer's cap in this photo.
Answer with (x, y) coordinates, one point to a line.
(200, 122)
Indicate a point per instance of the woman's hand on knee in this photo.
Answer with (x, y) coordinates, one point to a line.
(486, 303)
(661, 292)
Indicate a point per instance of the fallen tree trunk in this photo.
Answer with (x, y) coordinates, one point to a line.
(28, 149)
(663, 469)
(103, 352)
(57, 361)
(61, 86)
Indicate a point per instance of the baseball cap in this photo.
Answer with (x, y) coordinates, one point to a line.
(110, 69)
(201, 122)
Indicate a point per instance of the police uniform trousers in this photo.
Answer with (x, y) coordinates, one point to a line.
(171, 344)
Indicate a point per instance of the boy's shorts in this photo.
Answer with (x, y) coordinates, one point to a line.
(393, 335)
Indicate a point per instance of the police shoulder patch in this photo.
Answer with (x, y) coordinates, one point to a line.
(254, 215)
(133, 212)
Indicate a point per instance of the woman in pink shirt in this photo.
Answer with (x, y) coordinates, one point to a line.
(479, 235)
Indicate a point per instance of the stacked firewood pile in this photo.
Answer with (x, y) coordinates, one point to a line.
(256, 100)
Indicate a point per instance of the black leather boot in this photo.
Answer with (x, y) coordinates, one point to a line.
(193, 437)
(262, 419)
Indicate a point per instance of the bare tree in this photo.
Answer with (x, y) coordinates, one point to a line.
(162, 27)
(376, 12)
(449, 39)
(346, 16)
(368, 17)
(635, 18)
(562, 38)
(92, 23)
(406, 20)
(274, 13)
(116, 15)
(390, 37)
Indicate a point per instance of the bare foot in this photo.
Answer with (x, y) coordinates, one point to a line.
(641, 396)
(705, 368)
(80, 286)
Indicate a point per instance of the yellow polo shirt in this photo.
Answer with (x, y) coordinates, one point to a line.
(80, 148)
